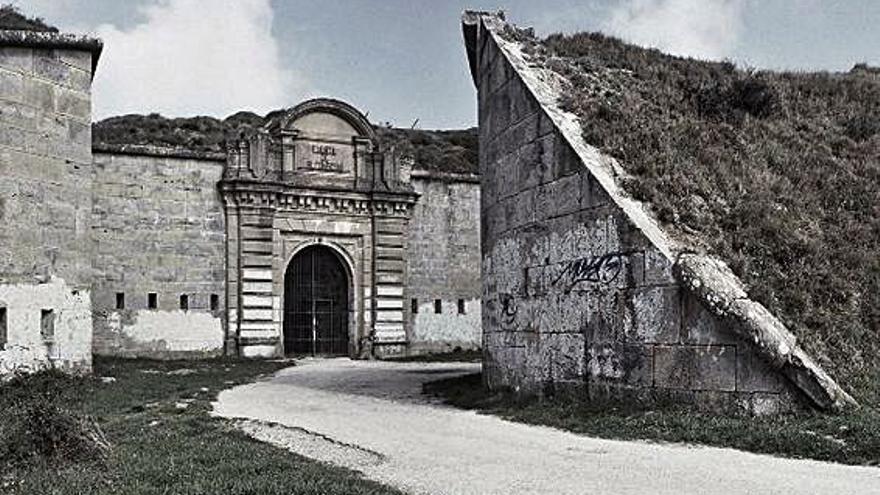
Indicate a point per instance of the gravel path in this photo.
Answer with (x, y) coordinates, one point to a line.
(371, 416)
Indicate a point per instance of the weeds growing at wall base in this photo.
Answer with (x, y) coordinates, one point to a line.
(853, 438)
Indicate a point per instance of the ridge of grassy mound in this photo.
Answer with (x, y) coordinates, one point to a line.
(11, 18)
(439, 151)
(451, 151)
(197, 134)
(777, 173)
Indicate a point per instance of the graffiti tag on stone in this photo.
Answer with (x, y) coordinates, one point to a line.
(596, 269)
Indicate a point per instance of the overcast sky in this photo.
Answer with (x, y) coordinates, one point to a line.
(402, 60)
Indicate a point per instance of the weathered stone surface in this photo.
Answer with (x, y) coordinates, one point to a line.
(588, 237)
(618, 363)
(753, 374)
(711, 280)
(766, 332)
(159, 222)
(695, 367)
(700, 326)
(45, 202)
(653, 315)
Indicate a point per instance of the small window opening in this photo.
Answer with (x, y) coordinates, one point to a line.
(438, 306)
(215, 302)
(3, 335)
(414, 306)
(152, 300)
(120, 300)
(184, 302)
(47, 324)
(461, 307)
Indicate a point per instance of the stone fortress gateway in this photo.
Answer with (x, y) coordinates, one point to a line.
(310, 236)
(313, 234)
(317, 223)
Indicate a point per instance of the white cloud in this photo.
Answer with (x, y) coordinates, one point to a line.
(191, 57)
(707, 29)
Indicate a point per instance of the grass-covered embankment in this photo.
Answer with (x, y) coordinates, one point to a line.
(155, 419)
(776, 173)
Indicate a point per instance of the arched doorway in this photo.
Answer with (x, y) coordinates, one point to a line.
(316, 288)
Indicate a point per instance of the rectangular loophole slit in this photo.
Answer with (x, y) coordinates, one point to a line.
(414, 306)
(120, 300)
(3, 335)
(184, 302)
(47, 324)
(215, 302)
(152, 300)
(438, 306)
(461, 308)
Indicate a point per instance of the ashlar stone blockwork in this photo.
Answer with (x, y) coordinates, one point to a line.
(45, 203)
(160, 230)
(581, 289)
(316, 176)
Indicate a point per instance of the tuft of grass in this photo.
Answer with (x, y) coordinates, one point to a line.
(777, 173)
(852, 438)
(155, 414)
(41, 422)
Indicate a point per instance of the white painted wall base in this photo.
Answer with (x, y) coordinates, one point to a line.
(26, 350)
(156, 333)
(258, 351)
(431, 329)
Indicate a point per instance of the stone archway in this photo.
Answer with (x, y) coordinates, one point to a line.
(316, 303)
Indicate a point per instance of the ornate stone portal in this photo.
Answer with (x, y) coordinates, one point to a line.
(316, 176)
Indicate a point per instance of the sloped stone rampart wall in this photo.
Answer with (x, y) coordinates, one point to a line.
(576, 297)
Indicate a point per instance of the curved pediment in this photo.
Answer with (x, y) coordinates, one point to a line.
(319, 143)
(324, 118)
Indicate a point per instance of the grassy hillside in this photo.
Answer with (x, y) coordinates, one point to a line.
(439, 151)
(447, 151)
(11, 18)
(778, 173)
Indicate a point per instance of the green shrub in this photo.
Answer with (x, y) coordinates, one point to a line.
(40, 421)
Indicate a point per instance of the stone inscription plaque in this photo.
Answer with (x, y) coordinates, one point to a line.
(323, 157)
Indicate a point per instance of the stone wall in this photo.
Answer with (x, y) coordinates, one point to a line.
(444, 263)
(45, 204)
(576, 296)
(159, 229)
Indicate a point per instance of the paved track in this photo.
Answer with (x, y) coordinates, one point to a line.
(371, 416)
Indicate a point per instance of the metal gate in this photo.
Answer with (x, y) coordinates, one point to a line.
(316, 304)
